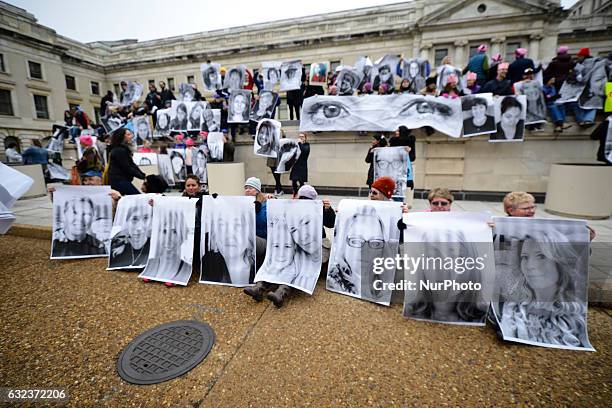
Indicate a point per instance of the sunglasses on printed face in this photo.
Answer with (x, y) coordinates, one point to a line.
(440, 203)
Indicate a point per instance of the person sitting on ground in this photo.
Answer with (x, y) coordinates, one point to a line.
(12, 154)
(252, 188)
(35, 154)
(440, 199)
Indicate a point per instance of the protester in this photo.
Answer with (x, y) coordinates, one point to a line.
(450, 90)
(519, 204)
(12, 154)
(404, 86)
(500, 85)
(479, 65)
(166, 95)
(146, 147)
(519, 65)
(560, 67)
(382, 189)
(252, 188)
(430, 87)
(105, 101)
(299, 171)
(556, 110)
(121, 167)
(379, 141)
(472, 87)
(584, 117)
(153, 99)
(35, 154)
(440, 199)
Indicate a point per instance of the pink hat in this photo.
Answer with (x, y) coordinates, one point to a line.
(563, 49)
(520, 52)
(497, 58)
(451, 79)
(503, 65)
(189, 142)
(367, 87)
(204, 134)
(86, 140)
(482, 48)
(179, 137)
(471, 75)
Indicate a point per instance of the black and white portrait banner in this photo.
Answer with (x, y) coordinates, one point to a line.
(234, 78)
(449, 267)
(294, 244)
(188, 116)
(177, 161)
(264, 107)
(171, 250)
(239, 106)
(542, 279)
(291, 75)
(215, 142)
(111, 123)
(211, 76)
(186, 92)
(384, 72)
(131, 232)
(348, 81)
(56, 142)
(415, 70)
(271, 72)
(228, 241)
(267, 138)
(199, 161)
(162, 125)
(365, 233)
(164, 163)
(445, 71)
(82, 222)
(142, 129)
(594, 77)
(364, 68)
(392, 162)
(381, 113)
(132, 93)
(478, 114)
(536, 104)
(510, 116)
(288, 153)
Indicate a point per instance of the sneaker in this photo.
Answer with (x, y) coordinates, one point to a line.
(280, 193)
(566, 126)
(168, 284)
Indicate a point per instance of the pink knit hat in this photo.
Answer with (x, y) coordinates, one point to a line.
(520, 52)
(451, 79)
(482, 48)
(189, 142)
(179, 137)
(496, 58)
(471, 76)
(86, 140)
(563, 49)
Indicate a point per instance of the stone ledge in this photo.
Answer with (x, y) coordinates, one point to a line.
(31, 231)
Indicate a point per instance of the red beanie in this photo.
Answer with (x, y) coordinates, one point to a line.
(584, 52)
(385, 185)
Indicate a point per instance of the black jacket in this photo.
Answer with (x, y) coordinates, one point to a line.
(299, 172)
(166, 95)
(121, 166)
(405, 139)
(498, 87)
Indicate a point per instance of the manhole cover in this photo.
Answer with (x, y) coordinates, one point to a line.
(165, 352)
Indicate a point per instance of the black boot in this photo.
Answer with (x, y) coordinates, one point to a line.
(279, 295)
(257, 291)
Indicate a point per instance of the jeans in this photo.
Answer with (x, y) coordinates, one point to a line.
(74, 133)
(557, 113)
(583, 115)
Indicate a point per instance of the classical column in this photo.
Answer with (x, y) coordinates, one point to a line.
(426, 52)
(534, 47)
(496, 45)
(461, 53)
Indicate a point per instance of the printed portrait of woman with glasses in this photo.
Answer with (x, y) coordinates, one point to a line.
(392, 162)
(363, 233)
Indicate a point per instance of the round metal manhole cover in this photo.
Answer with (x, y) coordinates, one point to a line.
(165, 352)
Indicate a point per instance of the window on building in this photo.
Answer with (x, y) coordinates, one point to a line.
(2, 66)
(35, 70)
(190, 79)
(70, 83)
(171, 84)
(117, 90)
(97, 114)
(6, 105)
(42, 109)
(333, 65)
(95, 88)
(439, 55)
(510, 48)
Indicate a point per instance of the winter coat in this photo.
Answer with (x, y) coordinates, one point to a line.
(479, 64)
(299, 172)
(121, 166)
(559, 67)
(498, 87)
(516, 70)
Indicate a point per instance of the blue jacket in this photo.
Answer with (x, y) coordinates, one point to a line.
(261, 221)
(479, 64)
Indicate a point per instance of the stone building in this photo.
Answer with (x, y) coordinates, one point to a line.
(43, 73)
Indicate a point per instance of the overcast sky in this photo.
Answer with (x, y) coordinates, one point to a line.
(89, 20)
